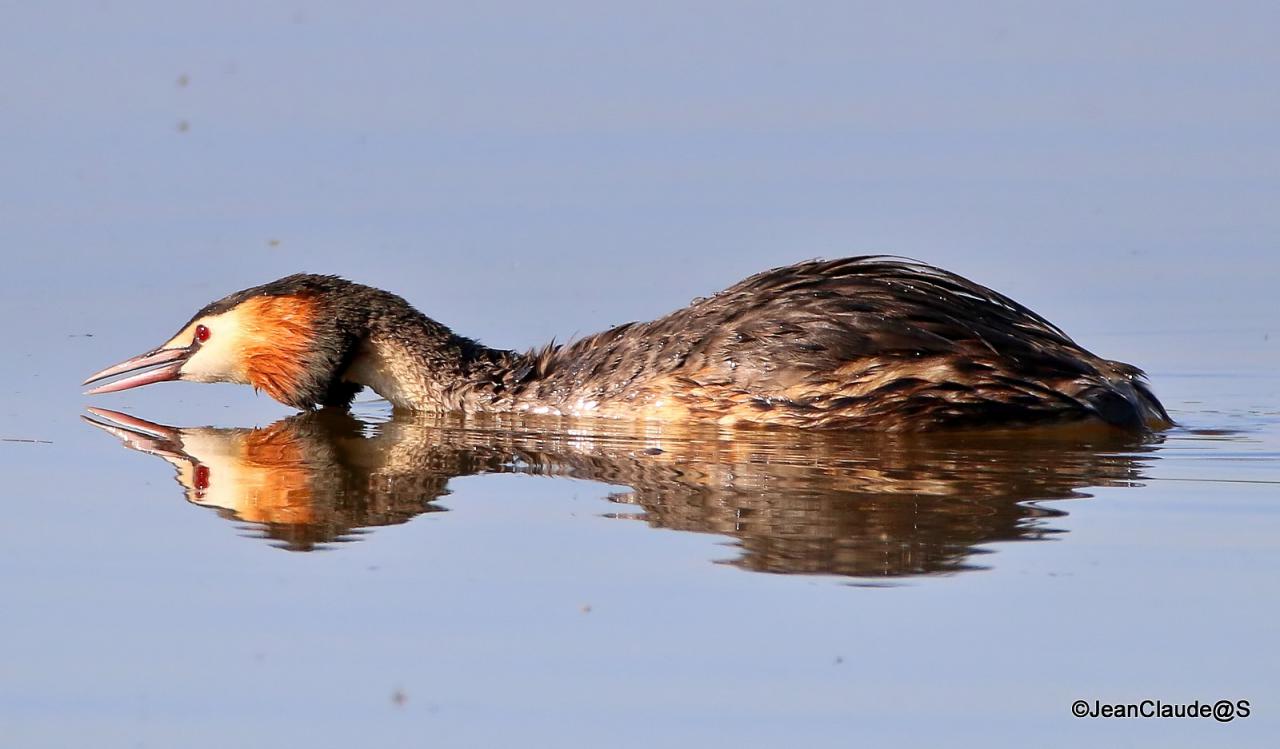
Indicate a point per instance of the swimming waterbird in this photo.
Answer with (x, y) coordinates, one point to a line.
(872, 343)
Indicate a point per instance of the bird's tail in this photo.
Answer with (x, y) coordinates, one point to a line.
(1124, 399)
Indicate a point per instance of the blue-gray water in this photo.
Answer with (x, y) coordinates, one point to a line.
(521, 173)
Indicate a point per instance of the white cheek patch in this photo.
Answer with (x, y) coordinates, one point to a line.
(214, 364)
(220, 358)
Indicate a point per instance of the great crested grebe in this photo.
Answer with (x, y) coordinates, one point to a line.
(874, 342)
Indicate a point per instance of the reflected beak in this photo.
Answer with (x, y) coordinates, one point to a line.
(172, 357)
(140, 434)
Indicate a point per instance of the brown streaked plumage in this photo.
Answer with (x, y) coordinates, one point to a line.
(876, 343)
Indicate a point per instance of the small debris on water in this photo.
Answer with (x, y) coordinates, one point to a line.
(398, 698)
(273, 243)
(183, 126)
(183, 80)
(585, 608)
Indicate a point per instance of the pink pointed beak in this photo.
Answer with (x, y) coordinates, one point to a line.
(172, 357)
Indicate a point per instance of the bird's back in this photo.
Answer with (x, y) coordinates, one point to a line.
(865, 342)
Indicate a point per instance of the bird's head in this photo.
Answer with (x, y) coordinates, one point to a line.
(291, 338)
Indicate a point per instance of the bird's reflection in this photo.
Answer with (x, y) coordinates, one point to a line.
(842, 504)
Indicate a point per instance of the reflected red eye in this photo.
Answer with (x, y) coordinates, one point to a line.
(201, 478)
(202, 333)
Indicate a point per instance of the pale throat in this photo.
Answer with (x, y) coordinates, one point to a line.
(392, 372)
(416, 375)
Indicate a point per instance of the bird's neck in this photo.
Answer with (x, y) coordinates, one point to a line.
(421, 365)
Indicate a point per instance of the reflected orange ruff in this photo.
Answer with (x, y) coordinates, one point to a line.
(274, 479)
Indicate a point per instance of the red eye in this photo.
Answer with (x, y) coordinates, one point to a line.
(201, 479)
(202, 333)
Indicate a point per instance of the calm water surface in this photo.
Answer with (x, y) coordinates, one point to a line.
(334, 579)
(204, 568)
